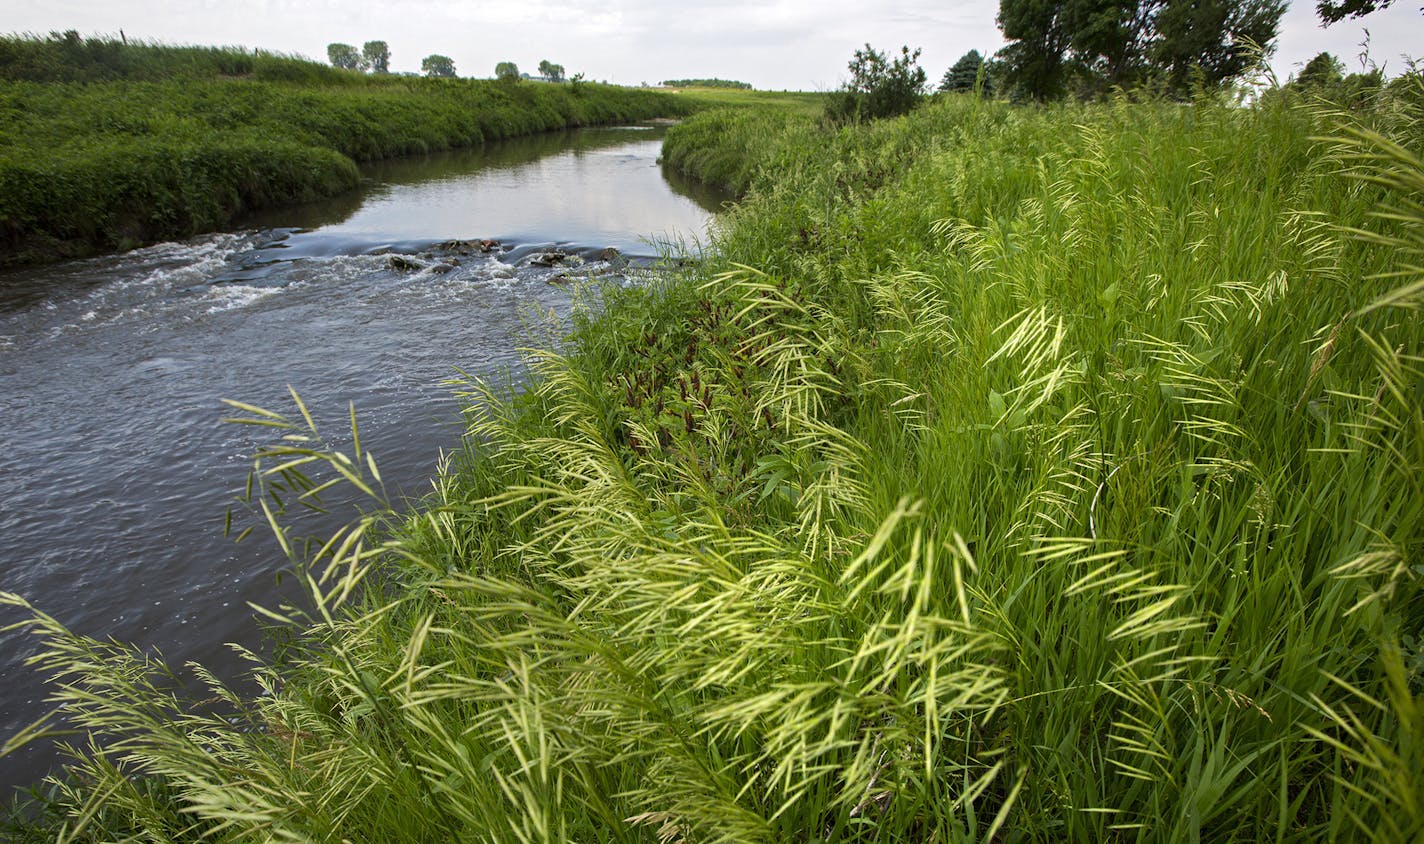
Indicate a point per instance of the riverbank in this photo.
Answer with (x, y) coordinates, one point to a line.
(1037, 473)
(163, 143)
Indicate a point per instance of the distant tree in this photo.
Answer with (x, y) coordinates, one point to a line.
(436, 65)
(706, 83)
(506, 72)
(965, 74)
(1334, 12)
(376, 55)
(550, 71)
(343, 56)
(878, 86)
(1322, 71)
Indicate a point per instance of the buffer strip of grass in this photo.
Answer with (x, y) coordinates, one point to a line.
(1044, 474)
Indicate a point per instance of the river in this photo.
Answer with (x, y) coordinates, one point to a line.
(115, 469)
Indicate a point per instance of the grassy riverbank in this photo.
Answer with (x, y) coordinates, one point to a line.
(124, 144)
(1006, 474)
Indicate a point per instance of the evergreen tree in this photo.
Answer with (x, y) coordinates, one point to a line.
(965, 74)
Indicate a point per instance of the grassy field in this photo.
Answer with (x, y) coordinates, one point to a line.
(799, 102)
(1033, 474)
(104, 146)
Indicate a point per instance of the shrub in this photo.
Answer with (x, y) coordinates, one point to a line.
(878, 86)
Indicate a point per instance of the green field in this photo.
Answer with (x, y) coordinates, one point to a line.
(109, 145)
(1003, 473)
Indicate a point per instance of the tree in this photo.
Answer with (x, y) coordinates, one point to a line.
(376, 55)
(1213, 40)
(506, 72)
(550, 71)
(878, 86)
(1335, 12)
(343, 56)
(436, 65)
(1034, 60)
(966, 74)
(1321, 72)
(1089, 45)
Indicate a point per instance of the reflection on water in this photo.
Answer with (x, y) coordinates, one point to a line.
(115, 470)
(594, 187)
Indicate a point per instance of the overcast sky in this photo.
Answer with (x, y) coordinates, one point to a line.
(795, 44)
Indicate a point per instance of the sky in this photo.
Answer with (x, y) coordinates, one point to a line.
(773, 44)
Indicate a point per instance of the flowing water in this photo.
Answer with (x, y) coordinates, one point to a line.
(115, 469)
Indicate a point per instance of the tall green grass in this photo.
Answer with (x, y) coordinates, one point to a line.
(1004, 474)
(69, 57)
(175, 144)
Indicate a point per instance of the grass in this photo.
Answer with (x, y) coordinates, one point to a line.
(1005, 473)
(800, 102)
(118, 144)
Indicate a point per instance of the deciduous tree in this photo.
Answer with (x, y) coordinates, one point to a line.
(1035, 59)
(1334, 12)
(506, 72)
(437, 65)
(550, 71)
(377, 56)
(1213, 40)
(343, 56)
(1088, 45)
(878, 86)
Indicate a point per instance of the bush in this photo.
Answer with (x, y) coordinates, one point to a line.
(878, 87)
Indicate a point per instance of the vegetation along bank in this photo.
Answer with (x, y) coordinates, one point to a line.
(106, 145)
(1005, 473)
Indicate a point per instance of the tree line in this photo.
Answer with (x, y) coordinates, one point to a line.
(1087, 48)
(706, 83)
(375, 57)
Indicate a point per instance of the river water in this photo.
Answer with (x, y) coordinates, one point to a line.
(115, 469)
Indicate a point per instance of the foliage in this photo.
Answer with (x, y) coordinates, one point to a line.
(1334, 11)
(1322, 71)
(878, 86)
(376, 55)
(1213, 41)
(705, 83)
(506, 72)
(437, 66)
(1323, 80)
(68, 57)
(1053, 477)
(967, 74)
(550, 71)
(810, 103)
(1088, 46)
(343, 56)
